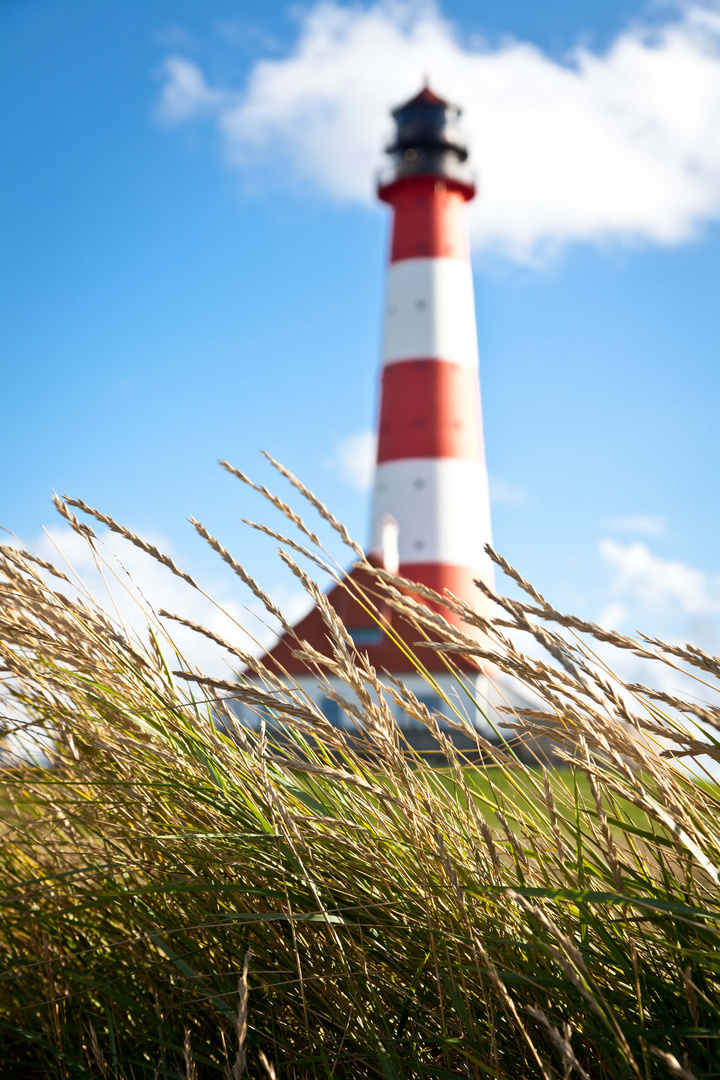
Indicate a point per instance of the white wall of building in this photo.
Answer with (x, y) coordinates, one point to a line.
(489, 695)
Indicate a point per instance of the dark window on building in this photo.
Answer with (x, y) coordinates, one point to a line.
(331, 711)
(432, 702)
(366, 635)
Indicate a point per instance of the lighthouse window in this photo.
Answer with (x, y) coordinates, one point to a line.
(419, 484)
(420, 305)
(419, 545)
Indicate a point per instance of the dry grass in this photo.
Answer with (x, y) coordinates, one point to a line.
(185, 897)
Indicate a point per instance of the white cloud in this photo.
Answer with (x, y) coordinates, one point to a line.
(622, 144)
(649, 524)
(612, 616)
(185, 94)
(654, 586)
(133, 585)
(503, 493)
(667, 599)
(354, 459)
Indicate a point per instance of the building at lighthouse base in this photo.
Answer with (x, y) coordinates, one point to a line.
(482, 700)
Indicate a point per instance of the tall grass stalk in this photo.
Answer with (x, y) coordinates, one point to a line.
(183, 896)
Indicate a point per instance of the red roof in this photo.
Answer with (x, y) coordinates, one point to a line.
(425, 97)
(381, 650)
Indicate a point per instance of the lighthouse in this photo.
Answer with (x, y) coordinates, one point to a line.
(431, 479)
(430, 516)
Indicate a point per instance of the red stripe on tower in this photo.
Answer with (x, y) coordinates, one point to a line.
(431, 478)
(429, 218)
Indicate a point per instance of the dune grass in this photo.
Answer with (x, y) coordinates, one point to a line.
(183, 896)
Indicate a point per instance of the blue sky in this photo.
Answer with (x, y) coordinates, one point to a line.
(193, 268)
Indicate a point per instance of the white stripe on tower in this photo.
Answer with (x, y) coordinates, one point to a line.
(430, 312)
(431, 476)
(441, 507)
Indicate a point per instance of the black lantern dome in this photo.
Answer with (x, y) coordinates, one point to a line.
(427, 141)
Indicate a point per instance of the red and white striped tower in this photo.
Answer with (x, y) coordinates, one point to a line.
(431, 477)
(430, 515)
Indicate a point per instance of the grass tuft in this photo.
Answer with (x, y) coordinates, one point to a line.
(187, 897)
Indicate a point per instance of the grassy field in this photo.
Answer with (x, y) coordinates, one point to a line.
(185, 897)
